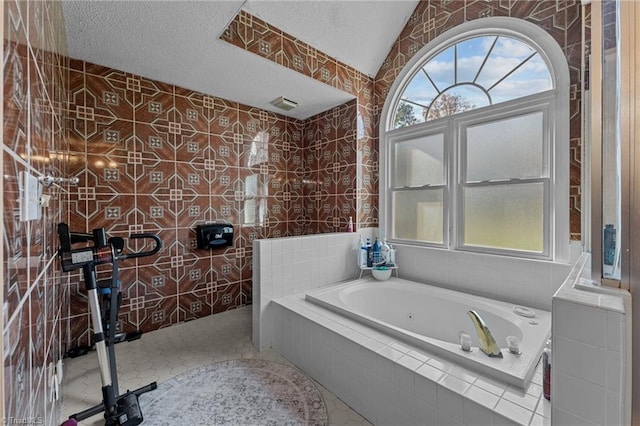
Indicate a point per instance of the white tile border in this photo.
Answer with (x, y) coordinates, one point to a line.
(590, 329)
(289, 265)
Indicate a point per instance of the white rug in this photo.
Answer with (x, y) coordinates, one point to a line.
(238, 392)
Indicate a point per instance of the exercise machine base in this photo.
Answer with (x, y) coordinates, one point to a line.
(128, 410)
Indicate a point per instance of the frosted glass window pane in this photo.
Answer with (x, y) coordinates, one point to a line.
(417, 215)
(420, 161)
(251, 186)
(504, 149)
(505, 216)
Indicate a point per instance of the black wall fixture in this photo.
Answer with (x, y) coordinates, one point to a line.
(214, 235)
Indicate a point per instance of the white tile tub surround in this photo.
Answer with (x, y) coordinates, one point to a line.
(390, 382)
(591, 352)
(432, 317)
(284, 266)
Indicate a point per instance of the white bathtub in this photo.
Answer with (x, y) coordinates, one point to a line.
(432, 317)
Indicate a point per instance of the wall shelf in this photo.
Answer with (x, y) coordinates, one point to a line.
(369, 268)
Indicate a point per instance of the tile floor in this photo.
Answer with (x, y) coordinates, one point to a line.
(163, 354)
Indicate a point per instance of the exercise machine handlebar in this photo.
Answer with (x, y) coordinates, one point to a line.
(103, 251)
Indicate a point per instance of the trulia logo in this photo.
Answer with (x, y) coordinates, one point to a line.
(22, 421)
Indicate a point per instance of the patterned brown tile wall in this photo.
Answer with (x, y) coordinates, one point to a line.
(152, 157)
(34, 291)
(330, 169)
(561, 18)
(254, 35)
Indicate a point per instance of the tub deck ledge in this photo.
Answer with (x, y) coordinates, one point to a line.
(389, 381)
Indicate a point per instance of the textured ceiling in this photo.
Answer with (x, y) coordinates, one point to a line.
(357, 33)
(177, 42)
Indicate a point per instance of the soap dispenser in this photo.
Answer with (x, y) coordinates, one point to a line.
(376, 253)
(386, 252)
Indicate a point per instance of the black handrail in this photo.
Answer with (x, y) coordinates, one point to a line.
(103, 250)
(151, 252)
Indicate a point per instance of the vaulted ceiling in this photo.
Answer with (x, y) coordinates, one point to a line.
(178, 42)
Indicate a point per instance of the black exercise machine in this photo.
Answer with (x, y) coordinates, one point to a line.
(119, 410)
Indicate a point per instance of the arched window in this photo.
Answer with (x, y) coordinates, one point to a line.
(474, 143)
(472, 73)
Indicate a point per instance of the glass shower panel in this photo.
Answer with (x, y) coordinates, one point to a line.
(611, 143)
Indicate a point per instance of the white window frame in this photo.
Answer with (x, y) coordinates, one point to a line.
(424, 129)
(557, 129)
(543, 103)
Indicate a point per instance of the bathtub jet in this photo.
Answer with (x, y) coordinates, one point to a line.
(486, 342)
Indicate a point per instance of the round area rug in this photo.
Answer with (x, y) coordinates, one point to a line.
(237, 392)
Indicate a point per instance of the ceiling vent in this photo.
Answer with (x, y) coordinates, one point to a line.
(284, 103)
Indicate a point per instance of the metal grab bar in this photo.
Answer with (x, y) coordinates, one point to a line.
(49, 180)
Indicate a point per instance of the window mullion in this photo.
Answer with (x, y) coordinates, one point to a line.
(452, 205)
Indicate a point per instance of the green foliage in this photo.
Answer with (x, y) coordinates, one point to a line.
(404, 115)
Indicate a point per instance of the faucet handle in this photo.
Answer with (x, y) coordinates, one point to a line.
(513, 344)
(465, 341)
